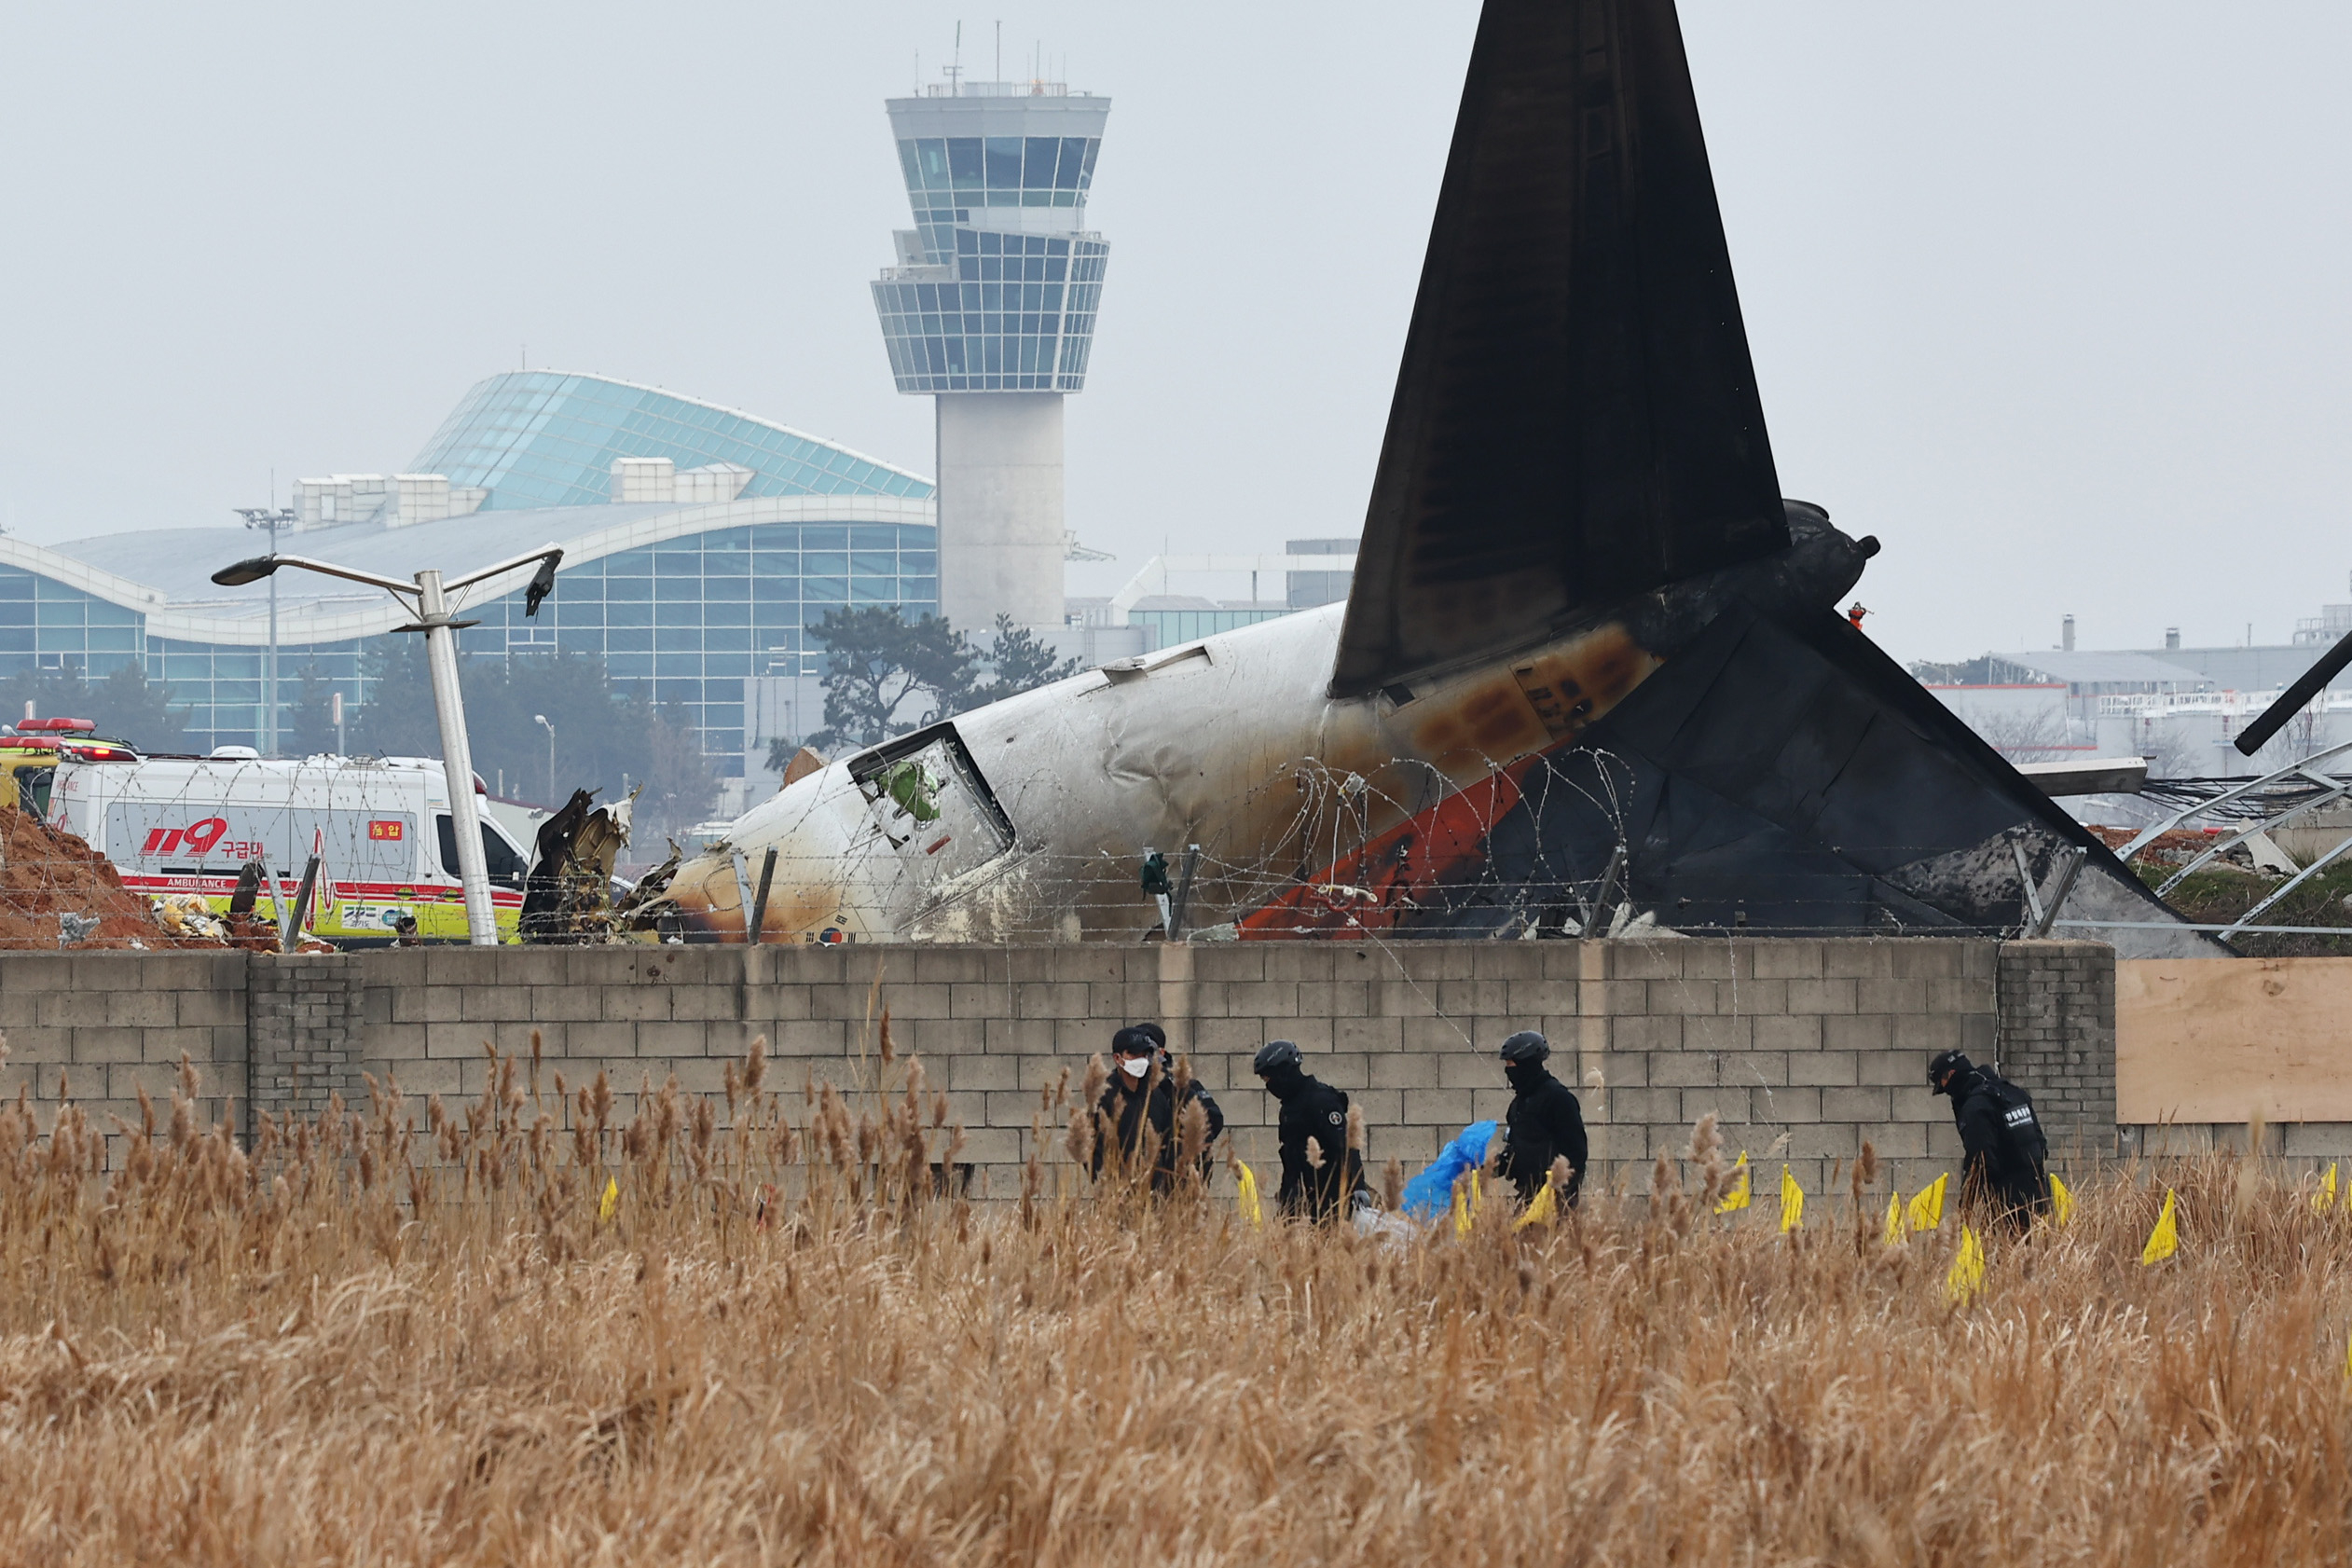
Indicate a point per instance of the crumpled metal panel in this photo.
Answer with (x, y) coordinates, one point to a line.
(1777, 776)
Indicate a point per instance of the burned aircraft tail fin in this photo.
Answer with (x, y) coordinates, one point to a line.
(1575, 418)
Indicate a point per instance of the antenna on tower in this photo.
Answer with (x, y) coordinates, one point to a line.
(1000, 49)
(955, 71)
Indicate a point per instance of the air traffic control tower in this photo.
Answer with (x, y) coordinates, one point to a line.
(991, 310)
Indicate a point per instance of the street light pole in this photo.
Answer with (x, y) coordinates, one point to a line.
(428, 597)
(457, 758)
(551, 758)
(272, 519)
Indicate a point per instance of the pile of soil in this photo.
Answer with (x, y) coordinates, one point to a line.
(2174, 845)
(45, 873)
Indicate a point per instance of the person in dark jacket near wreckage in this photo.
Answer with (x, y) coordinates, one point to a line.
(1193, 1094)
(1321, 1183)
(2001, 1143)
(1139, 1097)
(1544, 1123)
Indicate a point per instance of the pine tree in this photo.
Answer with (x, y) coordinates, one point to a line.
(125, 706)
(1022, 662)
(886, 675)
(310, 722)
(398, 719)
(679, 787)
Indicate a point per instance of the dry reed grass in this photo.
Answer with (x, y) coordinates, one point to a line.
(369, 1340)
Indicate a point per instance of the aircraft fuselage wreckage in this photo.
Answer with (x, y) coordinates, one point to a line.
(1591, 675)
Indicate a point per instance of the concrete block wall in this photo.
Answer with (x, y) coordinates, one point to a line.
(100, 1026)
(2309, 1144)
(1823, 1043)
(1809, 1048)
(1804, 1049)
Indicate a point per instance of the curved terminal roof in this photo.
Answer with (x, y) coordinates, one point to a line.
(540, 438)
(542, 444)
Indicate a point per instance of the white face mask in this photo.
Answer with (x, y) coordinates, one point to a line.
(1135, 1066)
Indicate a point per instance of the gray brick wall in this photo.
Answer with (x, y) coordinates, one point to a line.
(2057, 1038)
(1803, 1048)
(1822, 1044)
(103, 1026)
(305, 1038)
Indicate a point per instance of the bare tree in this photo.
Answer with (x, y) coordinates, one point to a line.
(2038, 736)
(2170, 752)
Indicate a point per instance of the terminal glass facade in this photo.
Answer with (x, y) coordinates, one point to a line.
(1172, 627)
(686, 620)
(682, 621)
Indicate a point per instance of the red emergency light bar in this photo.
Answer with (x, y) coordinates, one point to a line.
(57, 726)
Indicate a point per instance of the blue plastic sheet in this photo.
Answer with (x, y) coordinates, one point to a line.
(1430, 1194)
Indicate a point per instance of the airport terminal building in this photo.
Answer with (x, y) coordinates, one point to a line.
(699, 543)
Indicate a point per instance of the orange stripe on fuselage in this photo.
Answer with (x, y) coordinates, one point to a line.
(1397, 869)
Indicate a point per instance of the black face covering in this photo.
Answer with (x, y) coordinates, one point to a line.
(1285, 1080)
(1524, 1076)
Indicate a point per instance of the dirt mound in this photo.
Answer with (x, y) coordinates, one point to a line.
(2173, 844)
(45, 875)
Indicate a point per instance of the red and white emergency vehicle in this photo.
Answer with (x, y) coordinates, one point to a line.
(381, 827)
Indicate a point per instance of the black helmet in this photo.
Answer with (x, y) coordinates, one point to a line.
(1943, 1065)
(1275, 1056)
(1526, 1046)
(1133, 1041)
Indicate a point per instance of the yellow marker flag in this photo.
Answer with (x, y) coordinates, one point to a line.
(1968, 1269)
(1926, 1212)
(1792, 1202)
(1247, 1198)
(2061, 1202)
(2324, 1199)
(1462, 1206)
(1543, 1211)
(612, 1199)
(1895, 1218)
(2165, 1240)
(1736, 1198)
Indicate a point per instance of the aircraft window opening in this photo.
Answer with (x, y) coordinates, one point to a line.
(932, 805)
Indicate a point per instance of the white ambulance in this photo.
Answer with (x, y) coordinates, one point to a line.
(381, 827)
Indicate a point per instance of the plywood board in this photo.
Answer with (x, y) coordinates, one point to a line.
(2218, 1041)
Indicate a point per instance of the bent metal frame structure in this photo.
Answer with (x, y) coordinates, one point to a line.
(700, 543)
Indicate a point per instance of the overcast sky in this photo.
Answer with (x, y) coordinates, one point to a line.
(2049, 297)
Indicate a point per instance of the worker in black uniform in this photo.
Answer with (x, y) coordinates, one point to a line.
(1140, 1100)
(1544, 1123)
(2002, 1148)
(1323, 1188)
(1194, 1094)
